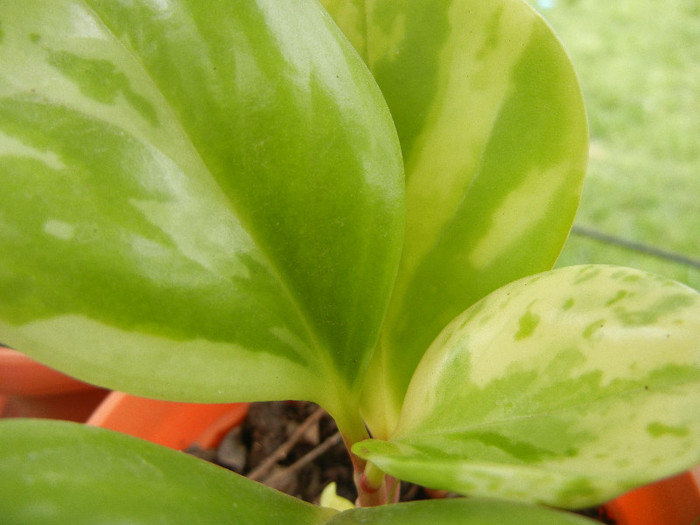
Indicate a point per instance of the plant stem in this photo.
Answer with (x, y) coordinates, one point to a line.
(374, 476)
(377, 489)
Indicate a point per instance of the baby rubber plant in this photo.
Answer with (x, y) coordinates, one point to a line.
(206, 202)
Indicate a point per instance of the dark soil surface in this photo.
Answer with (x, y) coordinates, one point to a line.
(291, 446)
(295, 447)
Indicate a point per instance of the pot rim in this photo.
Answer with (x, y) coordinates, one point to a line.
(173, 424)
(20, 375)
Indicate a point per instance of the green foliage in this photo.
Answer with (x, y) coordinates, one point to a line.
(208, 204)
(59, 472)
(567, 388)
(494, 161)
(233, 216)
(471, 511)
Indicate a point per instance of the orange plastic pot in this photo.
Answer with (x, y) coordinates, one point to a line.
(673, 501)
(31, 389)
(169, 423)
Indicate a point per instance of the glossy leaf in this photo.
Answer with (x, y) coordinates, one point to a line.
(198, 202)
(494, 137)
(568, 388)
(457, 512)
(57, 473)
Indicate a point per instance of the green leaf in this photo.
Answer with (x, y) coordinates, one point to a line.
(60, 472)
(457, 512)
(494, 137)
(567, 388)
(55, 472)
(199, 202)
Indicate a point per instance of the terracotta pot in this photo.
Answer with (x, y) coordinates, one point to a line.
(31, 389)
(673, 501)
(169, 423)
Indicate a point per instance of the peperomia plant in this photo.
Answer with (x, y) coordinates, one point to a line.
(356, 204)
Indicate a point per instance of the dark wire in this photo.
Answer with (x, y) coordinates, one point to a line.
(636, 246)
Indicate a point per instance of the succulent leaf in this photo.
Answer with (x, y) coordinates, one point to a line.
(457, 512)
(566, 388)
(196, 204)
(54, 472)
(494, 138)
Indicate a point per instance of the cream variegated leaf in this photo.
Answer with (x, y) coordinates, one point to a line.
(194, 203)
(494, 138)
(568, 388)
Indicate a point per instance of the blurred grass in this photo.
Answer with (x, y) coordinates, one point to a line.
(639, 66)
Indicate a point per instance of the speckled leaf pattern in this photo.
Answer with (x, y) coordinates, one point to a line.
(494, 138)
(195, 203)
(568, 388)
(59, 473)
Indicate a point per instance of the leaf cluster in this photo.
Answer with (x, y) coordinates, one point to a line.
(355, 203)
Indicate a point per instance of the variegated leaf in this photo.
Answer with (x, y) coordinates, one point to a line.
(568, 388)
(494, 137)
(195, 202)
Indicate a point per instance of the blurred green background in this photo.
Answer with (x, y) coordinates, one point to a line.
(639, 66)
